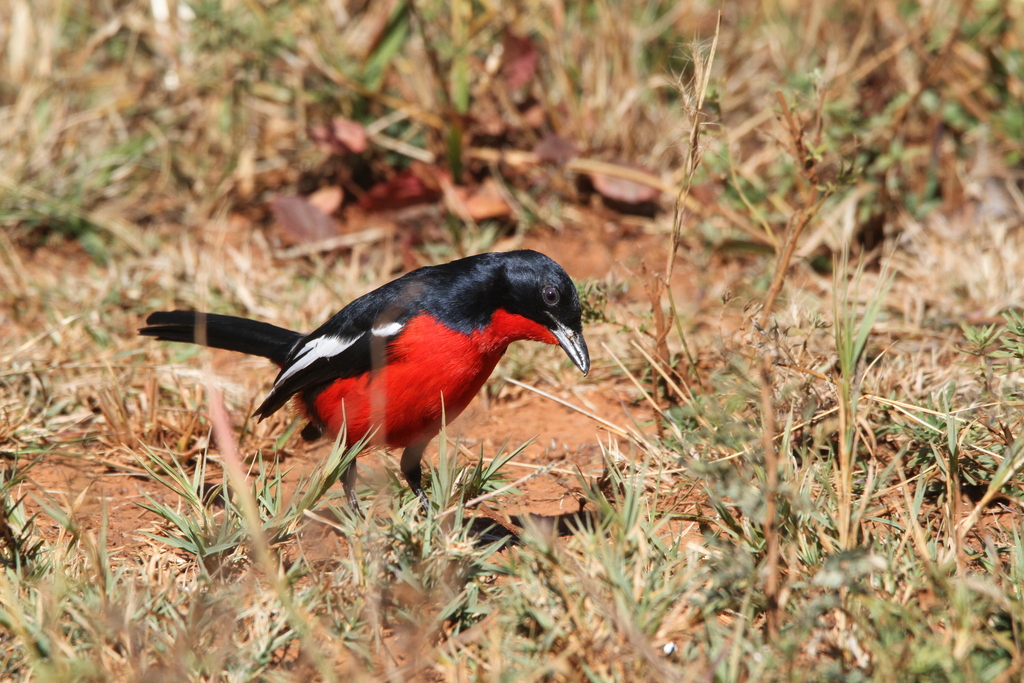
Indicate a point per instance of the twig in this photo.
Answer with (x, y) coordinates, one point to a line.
(404, 148)
(611, 427)
(348, 241)
(905, 408)
(640, 388)
(812, 198)
(702, 78)
(702, 71)
(783, 265)
(323, 520)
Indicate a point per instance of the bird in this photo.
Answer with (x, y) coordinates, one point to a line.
(398, 361)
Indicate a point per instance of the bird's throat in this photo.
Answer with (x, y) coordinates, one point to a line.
(506, 328)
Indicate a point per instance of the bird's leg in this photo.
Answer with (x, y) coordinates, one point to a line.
(348, 482)
(412, 470)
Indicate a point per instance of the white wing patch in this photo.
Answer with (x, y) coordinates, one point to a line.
(389, 330)
(321, 347)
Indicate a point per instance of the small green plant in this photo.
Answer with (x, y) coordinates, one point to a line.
(20, 546)
(851, 329)
(1011, 342)
(212, 527)
(980, 338)
(594, 296)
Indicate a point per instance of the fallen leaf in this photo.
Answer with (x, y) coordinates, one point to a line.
(405, 188)
(432, 177)
(534, 116)
(322, 136)
(302, 221)
(555, 149)
(350, 134)
(327, 199)
(342, 136)
(484, 202)
(519, 60)
(622, 190)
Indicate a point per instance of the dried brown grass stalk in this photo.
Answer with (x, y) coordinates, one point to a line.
(655, 285)
(273, 571)
(771, 464)
(813, 199)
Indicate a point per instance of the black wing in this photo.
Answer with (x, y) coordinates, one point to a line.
(349, 344)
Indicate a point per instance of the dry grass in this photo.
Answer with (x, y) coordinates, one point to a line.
(813, 436)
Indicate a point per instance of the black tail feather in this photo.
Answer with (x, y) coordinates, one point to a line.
(222, 332)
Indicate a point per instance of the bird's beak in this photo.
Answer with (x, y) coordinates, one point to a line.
(573, 344)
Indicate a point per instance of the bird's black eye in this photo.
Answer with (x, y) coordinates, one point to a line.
(550, 295)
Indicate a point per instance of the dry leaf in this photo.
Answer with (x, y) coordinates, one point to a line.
(303, 222)
(342, 136)
(534, 116)
(519, 60)
(555, 149)
(622, 190)
(327, 199)
(405, 188)
(484, 202)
